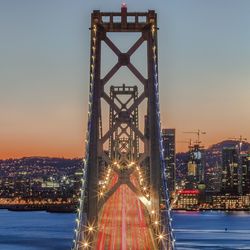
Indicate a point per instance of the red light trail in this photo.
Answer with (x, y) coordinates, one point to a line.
(123, 223)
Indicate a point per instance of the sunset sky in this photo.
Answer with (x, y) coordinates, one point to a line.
(204, 67)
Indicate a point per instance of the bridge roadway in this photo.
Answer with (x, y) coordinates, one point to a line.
(123, 223)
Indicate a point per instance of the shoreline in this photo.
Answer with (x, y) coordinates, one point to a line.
(213, 209)
(69, 208)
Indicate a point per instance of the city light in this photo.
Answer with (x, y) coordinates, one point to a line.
(161, 237)
(85, 244)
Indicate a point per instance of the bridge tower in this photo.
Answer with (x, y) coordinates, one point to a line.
(129, 148)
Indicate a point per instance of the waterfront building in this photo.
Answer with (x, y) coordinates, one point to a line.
(169, 156)
(187, 199)
(237, 202)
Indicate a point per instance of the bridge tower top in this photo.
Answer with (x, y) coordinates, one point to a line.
(124, 21)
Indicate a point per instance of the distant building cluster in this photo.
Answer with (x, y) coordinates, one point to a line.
(213, 178)
(38, 178)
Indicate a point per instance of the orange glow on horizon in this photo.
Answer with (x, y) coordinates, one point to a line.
(78, 150)
(19, 151)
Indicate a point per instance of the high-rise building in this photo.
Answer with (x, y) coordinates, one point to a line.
(169, 155)
(245, 174)
(230, 171)
(213, 177)
(195, 167)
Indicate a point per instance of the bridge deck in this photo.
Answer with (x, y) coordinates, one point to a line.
(123, 224)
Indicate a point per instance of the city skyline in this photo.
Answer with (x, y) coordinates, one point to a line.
(204, 72)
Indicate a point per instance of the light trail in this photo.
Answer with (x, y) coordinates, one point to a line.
(122, 222)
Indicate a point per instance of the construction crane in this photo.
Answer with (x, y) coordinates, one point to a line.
(198, 133)
(240, 140)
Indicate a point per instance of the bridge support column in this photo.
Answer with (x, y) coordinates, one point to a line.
(95, 112)
(153, 120)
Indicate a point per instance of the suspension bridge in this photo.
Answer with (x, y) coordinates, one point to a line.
(124, 201)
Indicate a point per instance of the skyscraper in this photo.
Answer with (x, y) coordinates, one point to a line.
(169, 155)
(196, 165)
(230, 171)
(245, 174)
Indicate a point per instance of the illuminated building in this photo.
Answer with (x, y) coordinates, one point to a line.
(231, 202)
(50, 184)
(187, 199)
(192, 168)
(245, 174)
(168, 136)
(230, 171)
(195, 167)
(213, 177)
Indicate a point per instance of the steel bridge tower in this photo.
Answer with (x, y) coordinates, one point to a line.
(131, 152)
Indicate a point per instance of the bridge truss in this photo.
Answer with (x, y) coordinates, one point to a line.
(133, 158)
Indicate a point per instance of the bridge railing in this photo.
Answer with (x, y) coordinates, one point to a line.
(166, 216)
(80, 220)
